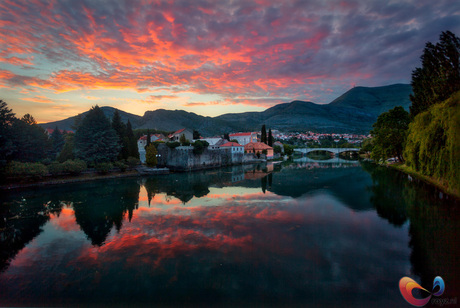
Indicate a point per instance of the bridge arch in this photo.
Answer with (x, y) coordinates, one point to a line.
(335, 151)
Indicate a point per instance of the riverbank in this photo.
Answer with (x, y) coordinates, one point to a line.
(438, 184)
(69, 179)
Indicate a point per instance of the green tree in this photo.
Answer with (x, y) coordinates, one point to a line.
(57, 142)
(226, 136)
(183, 140)
(196, 134)
(133, 151)
(30, 141)
(120, 129)
(67, 152)
(288, 149)
(263, 135)
(95, 139)
(199, 146)
(151, 156)
(148, 138)
(389, 134)
(439, 76)
(28, 119)
(7, 119)
(270, 137)
(433, 144)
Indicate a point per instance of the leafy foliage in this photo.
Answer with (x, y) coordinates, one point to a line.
(199, 146)
(196, 134)
(389, 134)
(132, 161)
(433, 144)
(288, 149)
(173, 145)
(95, 140)
(151, 155)
(19, 169)
(183, 140)
(103, 167)
(73, 167)
(439, 76)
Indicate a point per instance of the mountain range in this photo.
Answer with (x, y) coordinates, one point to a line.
(355, 111)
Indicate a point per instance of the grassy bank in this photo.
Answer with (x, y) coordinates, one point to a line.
(442, 185)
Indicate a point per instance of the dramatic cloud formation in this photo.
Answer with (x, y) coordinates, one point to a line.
(209, 57)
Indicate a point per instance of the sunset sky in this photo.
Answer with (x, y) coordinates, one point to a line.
(59, 58)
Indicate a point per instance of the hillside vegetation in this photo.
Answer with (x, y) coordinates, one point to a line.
(433, 143)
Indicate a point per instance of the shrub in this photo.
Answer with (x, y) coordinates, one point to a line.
(151, 156)
(75, 166)
(199, 146)
(55, 168)
(103, 167)
(173, 145)
(132, 161)
(120, 165)
(18, 169)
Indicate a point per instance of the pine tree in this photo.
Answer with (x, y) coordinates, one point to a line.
(270, 137)
(57, 142)
(148, 138)
(30, 141)
(263, 137)
(6, 143)
(67, 152)
(120, 129)
(133, 151)
(95, 139)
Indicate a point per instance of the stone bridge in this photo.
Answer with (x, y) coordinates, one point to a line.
(336, 151)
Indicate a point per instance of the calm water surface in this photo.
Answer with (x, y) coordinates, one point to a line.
(304, 234)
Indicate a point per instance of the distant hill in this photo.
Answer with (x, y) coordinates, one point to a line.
(354, 111)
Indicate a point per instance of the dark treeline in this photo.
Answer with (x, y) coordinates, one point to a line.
(426, 139)
(27, 149)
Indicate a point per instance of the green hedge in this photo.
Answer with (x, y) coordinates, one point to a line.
(18, 169)
(433, 143)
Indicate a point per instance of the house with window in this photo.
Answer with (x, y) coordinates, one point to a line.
(184, 131)
(244, 138)
(235, 151)
(259, 148)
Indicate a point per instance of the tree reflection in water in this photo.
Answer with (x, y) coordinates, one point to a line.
(434, 220)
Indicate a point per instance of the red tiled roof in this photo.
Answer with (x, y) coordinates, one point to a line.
(257, 146)
(178, 132)
(231, 144)
(240, 134)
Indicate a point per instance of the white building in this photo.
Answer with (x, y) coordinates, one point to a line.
(244, 138)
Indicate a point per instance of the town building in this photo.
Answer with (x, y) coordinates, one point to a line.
(184, 131)
(244, 138)
(259, 147)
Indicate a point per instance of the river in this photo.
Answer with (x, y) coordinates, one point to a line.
(299, 233)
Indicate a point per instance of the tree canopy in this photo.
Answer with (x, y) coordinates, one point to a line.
(389, 134)
(439, 76)
(95, 139)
